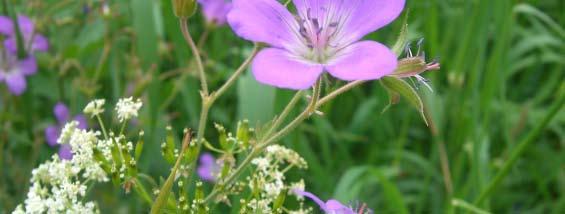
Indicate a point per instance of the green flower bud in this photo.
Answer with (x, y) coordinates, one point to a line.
(184, 8)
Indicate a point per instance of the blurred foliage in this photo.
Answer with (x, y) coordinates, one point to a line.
(502, 67)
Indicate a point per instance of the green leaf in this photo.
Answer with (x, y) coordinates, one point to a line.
(392, 194)
(256, 101)
(344, 190)
(396, 86)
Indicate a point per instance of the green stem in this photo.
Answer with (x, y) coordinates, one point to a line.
(237, 73)
(140, 189)
(200, 67)
(5, 7)
(521, 148)
(261, 146)
(208, 100)
(123, 127)
(339, 91)
(467, 206)
(168, 185)
(102, 127)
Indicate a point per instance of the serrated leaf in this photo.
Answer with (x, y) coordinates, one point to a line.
(402, 88)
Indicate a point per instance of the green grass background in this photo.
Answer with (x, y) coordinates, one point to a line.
(502, 71)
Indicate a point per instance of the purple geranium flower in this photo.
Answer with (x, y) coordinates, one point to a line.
(323, 36)
(208, 168)
(332, 206)
(52, 132)
(13, 70)
(32, 40)
(215, 11)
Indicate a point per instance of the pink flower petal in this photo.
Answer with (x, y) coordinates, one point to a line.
(215, 11)
(40, 43)
(61, 113)
(6, 27)
(359, 17)
(366, 60)
(65, 152)
(27, 66)
(264, 21)
(312, 197)
(279, 68)
(371, 15)
(51, 135)
(16, 83)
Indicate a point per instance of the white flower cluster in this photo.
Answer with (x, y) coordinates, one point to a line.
(95, 108)
(283, 154)
(59, 186)
(127, 108)
(270, 178)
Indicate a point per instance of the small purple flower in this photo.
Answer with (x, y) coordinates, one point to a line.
(13, 70)
(52, 132)
(208, 168)
(32, 40)
(323, 36)
(331, 206)
(215, 11)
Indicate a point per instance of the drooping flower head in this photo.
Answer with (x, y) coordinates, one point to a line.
(13, 70)
(208, 168)
(53, 132)
(215, 11)
(331, 206)
(323, 36)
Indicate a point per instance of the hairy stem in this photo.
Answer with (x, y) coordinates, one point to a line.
(237, 73)
(339, 91)
(261, 146)
(167, 186)
(280, 119)
(200, 67)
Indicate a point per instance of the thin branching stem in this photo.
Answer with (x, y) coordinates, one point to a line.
(237, 73)
(261, 146)
(200, 66)
(280, 119)
(166, 189)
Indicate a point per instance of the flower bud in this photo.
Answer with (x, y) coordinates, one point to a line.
(184, 8)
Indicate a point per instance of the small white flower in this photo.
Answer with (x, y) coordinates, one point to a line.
(95, 107)
(261, 163)
(127, 108)
(67, 132)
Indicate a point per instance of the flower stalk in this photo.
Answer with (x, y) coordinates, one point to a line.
(195, 52)
(166, 189)
(257, 150)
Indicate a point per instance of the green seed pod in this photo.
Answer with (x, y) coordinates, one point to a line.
(139, 146)
(243, 132)
(168, 147)
(184, 8)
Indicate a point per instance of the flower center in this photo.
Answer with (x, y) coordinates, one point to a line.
(318, 34)
(321, 29)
